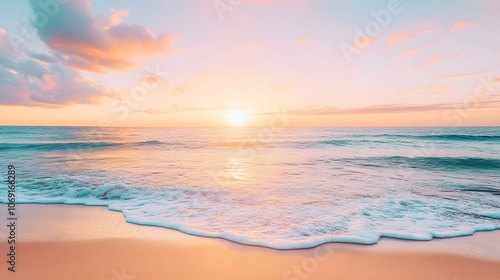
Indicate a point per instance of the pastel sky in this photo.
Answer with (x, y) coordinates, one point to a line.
(187, 62)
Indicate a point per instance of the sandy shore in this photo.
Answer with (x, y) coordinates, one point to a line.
(78, 242)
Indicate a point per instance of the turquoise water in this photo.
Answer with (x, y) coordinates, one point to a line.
(295, 188)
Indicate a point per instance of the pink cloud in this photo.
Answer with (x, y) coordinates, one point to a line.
(433, 59)
(117, 15)
(5, 45)
(101, 43)
(361, 43)
(301, 41)
(410, 52)
(463, 75)
(39, 80)
(462, 24)
(385, 109)
(393, 41)
(433, 89)
(398, 38)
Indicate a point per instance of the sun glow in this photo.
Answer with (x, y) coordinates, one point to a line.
(237, 117)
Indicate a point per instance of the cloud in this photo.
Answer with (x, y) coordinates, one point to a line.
(301, 41)
(99, 43)
(433, 59)
(377, 109)
(393, 41)
(410, 52)
(361, 43)
(386, 109)
(463, 75)
(152, 80)
(175, 108)
(28, 81)
(431, 90)
(116, 16)
(399, 38)
(462, 24)
(158, 83)
(431, 87)
(5, 45)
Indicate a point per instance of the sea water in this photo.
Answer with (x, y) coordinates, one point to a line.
(292, 188)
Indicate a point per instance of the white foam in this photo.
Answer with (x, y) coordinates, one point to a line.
(281, 225)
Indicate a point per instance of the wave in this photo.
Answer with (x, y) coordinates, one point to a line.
(77, 146)
(447, 163)
(386, 138)
(445, 137)
(340, 142)
(369, 139)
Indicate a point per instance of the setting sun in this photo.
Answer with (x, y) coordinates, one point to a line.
(237, 117)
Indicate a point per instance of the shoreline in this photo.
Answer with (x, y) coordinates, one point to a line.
(62, 241)
(178, 232)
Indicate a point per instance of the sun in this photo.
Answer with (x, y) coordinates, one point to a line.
(237, 117)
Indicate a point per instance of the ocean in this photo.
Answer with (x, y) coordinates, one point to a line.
(292, 188)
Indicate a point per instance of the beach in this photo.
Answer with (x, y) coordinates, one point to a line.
(80, 242)
(249, 140)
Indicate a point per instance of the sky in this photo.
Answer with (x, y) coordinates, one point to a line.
(194, 63)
